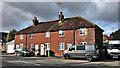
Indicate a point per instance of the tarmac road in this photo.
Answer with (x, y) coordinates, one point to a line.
(11, 60)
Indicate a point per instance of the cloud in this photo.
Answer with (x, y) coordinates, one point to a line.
(45, 10)
(91, 10)
(19, 14)
(13, 17)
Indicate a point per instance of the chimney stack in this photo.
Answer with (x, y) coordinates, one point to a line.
(61, 17)
(35, 21)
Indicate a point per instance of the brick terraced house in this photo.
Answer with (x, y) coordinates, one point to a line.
(58, 35)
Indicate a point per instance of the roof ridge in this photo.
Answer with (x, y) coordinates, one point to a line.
(70, 23)
(64, 19)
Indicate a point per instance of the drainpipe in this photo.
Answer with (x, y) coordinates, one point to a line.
(73, 36)
(26, 40)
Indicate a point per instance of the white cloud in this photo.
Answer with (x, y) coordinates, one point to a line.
(60, 0)
(20, 13)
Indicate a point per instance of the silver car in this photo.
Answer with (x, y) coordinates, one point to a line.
(82, 51)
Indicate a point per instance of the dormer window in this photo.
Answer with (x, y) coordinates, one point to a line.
(83, 31)
(31, 36)
(47, 34)
(61, 33)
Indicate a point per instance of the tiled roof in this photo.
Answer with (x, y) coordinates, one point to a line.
(66, 24)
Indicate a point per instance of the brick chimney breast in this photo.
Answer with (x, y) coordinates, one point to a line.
(61, 17)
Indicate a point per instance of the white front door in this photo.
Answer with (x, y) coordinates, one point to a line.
(36, 49)
(42, 49)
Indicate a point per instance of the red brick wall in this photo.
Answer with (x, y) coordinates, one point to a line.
(89, 37)
(54, 40)
(20, 41)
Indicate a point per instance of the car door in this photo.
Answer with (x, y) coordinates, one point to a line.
(80, 51)
(72, 51)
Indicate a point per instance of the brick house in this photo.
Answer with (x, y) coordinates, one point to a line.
(58, 35)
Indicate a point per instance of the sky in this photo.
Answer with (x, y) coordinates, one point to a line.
(18, 15)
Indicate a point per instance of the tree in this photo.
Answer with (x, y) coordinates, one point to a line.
(10, 35)
(115, 35)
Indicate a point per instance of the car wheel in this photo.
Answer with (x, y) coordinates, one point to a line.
(66, 56)
(89, 58)
(15, 53)
(24, 54)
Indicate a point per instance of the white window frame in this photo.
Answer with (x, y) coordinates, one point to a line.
(31, 45)
(21, 45)
(21, 36)
(83, 31)
(61, 33)
(83, 43)
(61, 46)
(31, 36)
(47, 45)
(47, 34)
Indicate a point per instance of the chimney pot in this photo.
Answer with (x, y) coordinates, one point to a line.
(61, 16)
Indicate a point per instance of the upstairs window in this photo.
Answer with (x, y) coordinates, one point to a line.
(61, 46)
(21, 36)
(31, 36)
(47, 34)
(83, 31)
(61, 33)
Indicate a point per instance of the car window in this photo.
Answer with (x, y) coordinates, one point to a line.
(80, 47)
(72, 48)
(89, 47)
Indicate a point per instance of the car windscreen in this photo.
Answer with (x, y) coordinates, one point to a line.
(114, 46)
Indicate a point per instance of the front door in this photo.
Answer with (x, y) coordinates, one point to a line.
(42, 49)
(36, 49)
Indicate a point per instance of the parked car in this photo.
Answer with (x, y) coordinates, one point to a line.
(89, 52)
(24, 52)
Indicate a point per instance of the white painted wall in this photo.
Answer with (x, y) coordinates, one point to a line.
(10, 47)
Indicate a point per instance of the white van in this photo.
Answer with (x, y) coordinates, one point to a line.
(114, 49)
(89, 52)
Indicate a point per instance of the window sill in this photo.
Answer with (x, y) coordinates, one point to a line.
(47, 37)
(83, 34)
(61, 36)
(31, 38)
(61, 49)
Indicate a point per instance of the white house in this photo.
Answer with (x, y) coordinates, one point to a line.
(10, 47)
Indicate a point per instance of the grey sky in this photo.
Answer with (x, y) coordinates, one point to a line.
(18, 15)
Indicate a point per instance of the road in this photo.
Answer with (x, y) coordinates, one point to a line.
(11, 60)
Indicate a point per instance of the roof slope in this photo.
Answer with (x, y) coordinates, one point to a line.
(66, 24)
